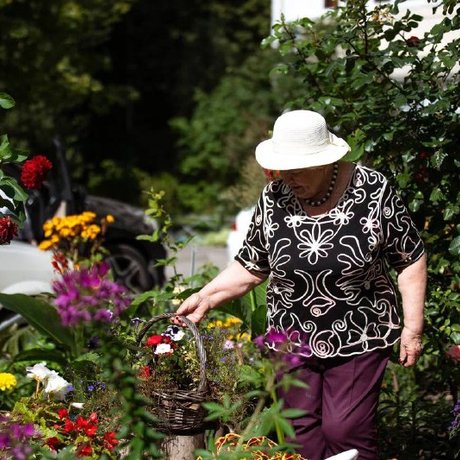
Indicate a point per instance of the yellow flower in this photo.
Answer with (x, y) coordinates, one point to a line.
(243, 337)
(7, 381)
(45, 245)
(109, 219)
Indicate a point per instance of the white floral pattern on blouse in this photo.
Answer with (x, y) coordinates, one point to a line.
(328, 276)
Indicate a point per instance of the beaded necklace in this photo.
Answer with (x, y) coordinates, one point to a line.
(319, 202)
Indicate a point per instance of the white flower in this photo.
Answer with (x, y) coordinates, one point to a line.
(174, 333)
(163, 348)
(57, 386)
(77, 405)
(229, 344)
(38, 372)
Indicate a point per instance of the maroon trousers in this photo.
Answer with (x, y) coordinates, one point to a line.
(341, 403)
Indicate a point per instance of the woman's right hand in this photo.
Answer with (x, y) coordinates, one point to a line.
(194, 308)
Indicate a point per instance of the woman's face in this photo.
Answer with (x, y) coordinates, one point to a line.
(307, 183)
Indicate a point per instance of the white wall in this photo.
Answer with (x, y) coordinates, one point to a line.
(296, 9)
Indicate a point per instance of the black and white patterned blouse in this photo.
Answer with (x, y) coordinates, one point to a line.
(328, 279)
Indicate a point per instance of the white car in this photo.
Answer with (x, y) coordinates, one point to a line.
(24, 269)
(238, 232)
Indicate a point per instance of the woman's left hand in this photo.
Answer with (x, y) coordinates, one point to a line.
(410, 347)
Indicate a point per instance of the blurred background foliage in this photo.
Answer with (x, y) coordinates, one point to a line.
(108, 77)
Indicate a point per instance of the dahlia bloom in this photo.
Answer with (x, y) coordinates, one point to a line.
(87, 295)
(34, 171)
(8, 230)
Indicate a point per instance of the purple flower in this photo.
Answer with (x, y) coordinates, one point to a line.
(276, 337)
(87, 295)
(4, 441)
(20, 432)
(21, 452)
(259, 341)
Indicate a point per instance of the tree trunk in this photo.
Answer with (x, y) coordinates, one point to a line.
(181, 447)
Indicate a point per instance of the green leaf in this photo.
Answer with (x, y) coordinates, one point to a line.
(41, 315)
(6, 101)
(19, 194)
(454, 247)
(293, 413)
(259, 321)
(39, 354)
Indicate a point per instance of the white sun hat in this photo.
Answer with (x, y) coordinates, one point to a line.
(300, 140)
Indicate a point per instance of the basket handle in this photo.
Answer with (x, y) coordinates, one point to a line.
(202, 386)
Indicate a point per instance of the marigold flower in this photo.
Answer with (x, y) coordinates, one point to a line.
(8, 230)
(7, 381)
(34, 171)
(109, 219)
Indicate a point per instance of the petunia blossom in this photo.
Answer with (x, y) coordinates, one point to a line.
(163, 348)
(38, 372)
(57, 386)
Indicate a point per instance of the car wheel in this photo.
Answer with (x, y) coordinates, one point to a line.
(130, 267)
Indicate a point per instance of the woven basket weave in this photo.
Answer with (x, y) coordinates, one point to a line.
(179, 411)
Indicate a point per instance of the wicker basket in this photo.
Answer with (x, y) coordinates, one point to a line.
(179, 411)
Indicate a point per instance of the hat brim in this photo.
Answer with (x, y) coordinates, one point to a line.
(268, 159)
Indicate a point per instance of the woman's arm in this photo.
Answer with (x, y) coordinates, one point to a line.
(412, 285)
(233, 282)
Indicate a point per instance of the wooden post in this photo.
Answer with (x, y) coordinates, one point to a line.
(181, 447)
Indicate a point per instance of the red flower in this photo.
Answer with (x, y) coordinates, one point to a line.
(8, 230)
(63, 413)
(69, 426)
(93, 418)
(154, 340)
(84, 450)
(454, 353)
(60, 262)
(90, 430)
(145, 372)
(110, 441)
(34, 171)
(52, 443)
(413, 41)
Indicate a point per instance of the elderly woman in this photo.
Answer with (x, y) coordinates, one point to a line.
(325, 235)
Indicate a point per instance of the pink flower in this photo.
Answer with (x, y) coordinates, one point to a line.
(454, 352)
